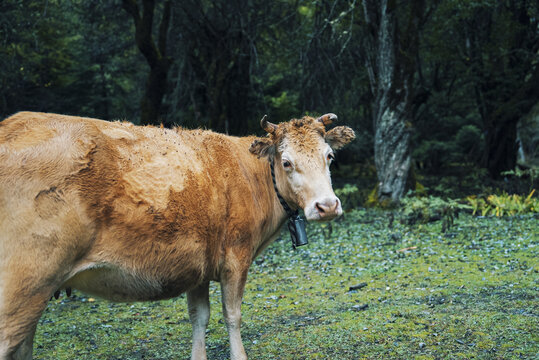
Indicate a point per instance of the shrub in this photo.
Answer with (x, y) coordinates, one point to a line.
(431, 208)
(349, 195)
(373, 200)
(532, 174)
(504, 204)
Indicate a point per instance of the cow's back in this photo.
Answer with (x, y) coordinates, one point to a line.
(105, 163)
(158, 203)
(43, 158)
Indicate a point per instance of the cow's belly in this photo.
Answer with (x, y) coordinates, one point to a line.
(118, 284)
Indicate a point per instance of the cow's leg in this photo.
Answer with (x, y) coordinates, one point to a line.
(199, 314)
(19, 320)
(25, 349)
(232, 286)
(26, 286)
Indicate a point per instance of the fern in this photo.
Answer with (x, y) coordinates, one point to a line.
(504, 204)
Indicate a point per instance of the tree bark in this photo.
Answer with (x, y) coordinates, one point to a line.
(390, 61)
(155, 54)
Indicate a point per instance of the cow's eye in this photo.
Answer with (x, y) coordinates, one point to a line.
(331, 157)
(287, 164)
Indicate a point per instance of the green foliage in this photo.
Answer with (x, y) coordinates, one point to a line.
(504, 204)
(469, 293)
(532, 174)
(454, 142)
(349, 195)
(285, 105)
(528, 138)
(475, 44)
(467, 137)
(434, 153)
(235, 61)
(68, 57)
(373, 201)
(432, 208)
(458, 181)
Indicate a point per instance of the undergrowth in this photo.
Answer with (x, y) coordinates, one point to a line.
(504, 204)
(366, 287)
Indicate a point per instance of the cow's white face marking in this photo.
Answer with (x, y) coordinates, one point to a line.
(307, 178)
(302, 151)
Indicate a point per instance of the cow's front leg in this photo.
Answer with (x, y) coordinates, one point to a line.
(199, 314)
(232, 286)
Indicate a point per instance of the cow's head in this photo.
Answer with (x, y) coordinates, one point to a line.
(302, 151)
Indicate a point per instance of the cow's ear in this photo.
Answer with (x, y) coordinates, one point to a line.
(262, 147)
(339, 136)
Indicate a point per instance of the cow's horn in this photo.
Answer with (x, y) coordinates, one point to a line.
(327, 119)
(267, 126)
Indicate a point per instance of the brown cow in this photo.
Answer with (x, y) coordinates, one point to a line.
(132, 213)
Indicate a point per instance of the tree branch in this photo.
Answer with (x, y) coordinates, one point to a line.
(131, 7)
(143, 29)
(163, 29)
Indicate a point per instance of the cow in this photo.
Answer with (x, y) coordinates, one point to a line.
(133, 213)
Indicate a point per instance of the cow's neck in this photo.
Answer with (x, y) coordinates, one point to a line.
(273, 212)
(296, 224)
(289, 212)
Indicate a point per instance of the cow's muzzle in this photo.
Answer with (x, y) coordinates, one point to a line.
(324, 209)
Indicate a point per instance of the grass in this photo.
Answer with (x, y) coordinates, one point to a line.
(468, 293)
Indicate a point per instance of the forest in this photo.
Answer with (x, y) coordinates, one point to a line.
(432, 87)
(436, 254)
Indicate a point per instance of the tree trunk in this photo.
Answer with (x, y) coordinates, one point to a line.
(390, 61)
(155, 55)
(104, 102)
(391, 153)
(156, 86)
(218, 73)
(501, 145)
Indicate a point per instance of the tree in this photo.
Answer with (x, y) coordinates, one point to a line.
(36, 55)
(109, 70)
(390, 58)
(68, 57)
(155, 54)
(503, 58)
(482, 57)
(217, 59)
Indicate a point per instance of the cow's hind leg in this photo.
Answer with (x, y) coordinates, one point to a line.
(27, 282)
(19, 316)
(41, 239)
(199, 314)
(24, 352)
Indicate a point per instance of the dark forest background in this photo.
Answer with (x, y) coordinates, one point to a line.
(432, 87)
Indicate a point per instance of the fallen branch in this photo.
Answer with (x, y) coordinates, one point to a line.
(407, 249)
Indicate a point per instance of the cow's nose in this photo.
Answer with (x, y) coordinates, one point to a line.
(328, 207)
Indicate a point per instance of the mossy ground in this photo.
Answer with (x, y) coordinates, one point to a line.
(468, 293)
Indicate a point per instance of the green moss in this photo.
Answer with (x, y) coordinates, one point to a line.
(470, 292)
